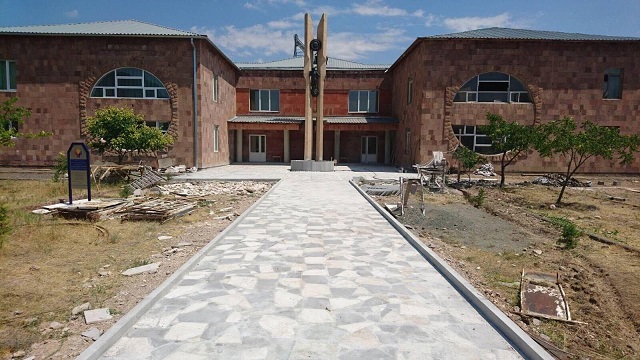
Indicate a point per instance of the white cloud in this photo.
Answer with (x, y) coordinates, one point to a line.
(72, 14)
(378, 8)
(259, 4)
(351, 46)
(474, 22)
(281, 24)
(432, 20)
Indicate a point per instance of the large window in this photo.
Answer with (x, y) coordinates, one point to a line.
(7, 75)
(130, 83)
(612, 84)
(363, 101)
(216, 138)
(473, 139)
(163, 126)
(493, 87)
(264, 100)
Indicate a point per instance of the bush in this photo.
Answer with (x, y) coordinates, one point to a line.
(478, 199)
(60, 168)
(570, 232)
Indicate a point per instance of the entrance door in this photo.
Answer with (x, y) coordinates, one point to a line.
(369, 152)
(257, 148)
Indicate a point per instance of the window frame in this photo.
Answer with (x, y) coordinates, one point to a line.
(10, 80)
(158, 125)
(215, 88)
(410, 91)
(117, 78)
(368, 106)
(407, 141)
(472, 131)
(473, 94)
(608, 74)
(270, 105)
(216, 138)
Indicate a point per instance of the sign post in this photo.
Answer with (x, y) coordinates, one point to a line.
(79, 168)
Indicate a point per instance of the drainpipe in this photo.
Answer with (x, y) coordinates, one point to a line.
(195, 108)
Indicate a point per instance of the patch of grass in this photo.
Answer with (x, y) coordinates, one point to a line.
(140, 262)
(478, 200)
(60, 167)
(570, 232)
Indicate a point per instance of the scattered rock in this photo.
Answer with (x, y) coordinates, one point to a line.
(485, 170)
(552, 206)
(34, 268)
(558, 179)
(97, 315)
(18, 354)
(142, 269)
(164, 237)
(92, 333)
(137, 192)
(545, 337)
(104, 273)
(537, 251)
(536, 322)
(80, 308)
(182, 244)
(55, 325)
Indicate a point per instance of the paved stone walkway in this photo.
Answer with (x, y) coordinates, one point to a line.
(312, 272)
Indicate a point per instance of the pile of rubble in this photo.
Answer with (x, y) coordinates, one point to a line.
(558, 179)
(485, 170)
(212, 188)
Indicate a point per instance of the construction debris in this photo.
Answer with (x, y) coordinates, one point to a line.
(214, 188)
(485, 170)
(541, 295)
(92, 333)
(149, 268)
(558, 179)
(148, 178)
(158, 209)
(97, 315)
(91, 210)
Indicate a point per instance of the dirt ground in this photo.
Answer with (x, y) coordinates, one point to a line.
(50, 265)
(492, 244)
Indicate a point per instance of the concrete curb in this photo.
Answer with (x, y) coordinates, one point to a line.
(517, 337)
(98, 348)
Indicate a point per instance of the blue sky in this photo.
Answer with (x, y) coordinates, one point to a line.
(367, 31)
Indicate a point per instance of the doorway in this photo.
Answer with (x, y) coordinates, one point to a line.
(257, 148)
(369, 152)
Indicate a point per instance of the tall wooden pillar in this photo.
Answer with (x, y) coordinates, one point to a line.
(308, 111)
(322, 69)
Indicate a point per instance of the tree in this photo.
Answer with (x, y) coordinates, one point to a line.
(510, 139)
(11, 117)
(578, 145)
(467, 160)
(122, 131)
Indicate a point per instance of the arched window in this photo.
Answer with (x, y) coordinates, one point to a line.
(493, 87)
(129, 83)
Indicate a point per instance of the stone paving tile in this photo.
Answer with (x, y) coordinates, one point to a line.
(312, 273)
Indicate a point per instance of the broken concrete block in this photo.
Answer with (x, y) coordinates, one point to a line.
(92, 334)
(164, 237)
(181, 245)
(142, 269)
(537, 251)
(80, 308)
(225, 209)
(55, 325)
(41, 211)
(97, 315)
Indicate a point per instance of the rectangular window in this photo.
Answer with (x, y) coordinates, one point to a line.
(407, 141)
(363, 101)
(612, 84)
(216, 138)
(264, 100)
(163, 126)
(472, 139)
(410, 91)
(7, 75)
(215, 88)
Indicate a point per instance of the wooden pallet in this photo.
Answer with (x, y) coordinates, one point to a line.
(158, 210)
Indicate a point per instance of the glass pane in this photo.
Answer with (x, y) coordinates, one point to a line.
(613, 87)
(130, 93)
(373, 102)
(485, 150)
(151, 81)
(516, 85)
(457, 129)
(472, 96)
(364, 100)
(3, 75)
(151, 124)
(254, 143)
(467, 141)
(483, 139)
(353, 101)
(363, 149)
(275, 100)
(373, 145)
(109, 92)
(12, 75)
(524, 98)
(129, 82)
(471, 85)
(493, 86)
(254, 100)
(108, 80)
(493, 97)
(150, 93)
(162, 93)
(460, 97)
(494, 76)
(263, 143)
(97, 92)
(129, 72)
(264, 100)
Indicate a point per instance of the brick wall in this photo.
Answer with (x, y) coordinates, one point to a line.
(564, 78)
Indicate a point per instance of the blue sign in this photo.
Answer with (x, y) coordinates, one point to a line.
(79, 168)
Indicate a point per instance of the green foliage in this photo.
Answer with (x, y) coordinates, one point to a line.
(509, 139)
(570, 232)
(122, 131)
(125, 192)
(5, 225)
(11, 117)
(577, 145)
(60, 167)
(478, 199)
(467, 159)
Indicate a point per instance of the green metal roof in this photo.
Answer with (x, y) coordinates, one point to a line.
(265, 119)
(297, 63)
(525, 34)
(103, 28)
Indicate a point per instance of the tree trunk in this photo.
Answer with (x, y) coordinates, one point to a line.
(565, 182)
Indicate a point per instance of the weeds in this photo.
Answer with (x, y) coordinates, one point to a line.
(125, 192)
(570, 232)
(478, 199)
(5, 225)
(140, 262)
(60, 167)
